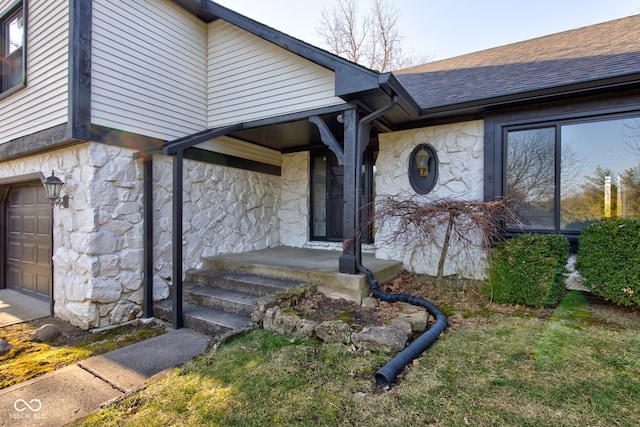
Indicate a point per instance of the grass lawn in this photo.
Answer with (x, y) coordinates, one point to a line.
(561, 370)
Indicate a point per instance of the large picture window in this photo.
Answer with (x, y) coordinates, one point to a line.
(12, 48)
(563, 176)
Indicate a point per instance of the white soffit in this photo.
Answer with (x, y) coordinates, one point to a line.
(244, 150)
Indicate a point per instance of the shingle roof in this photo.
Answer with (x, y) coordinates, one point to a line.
(587, 54)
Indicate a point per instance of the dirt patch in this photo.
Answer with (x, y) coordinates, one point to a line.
(69, 334)
(461, 300)
(453, 300)
(320, 308)
(613, 316)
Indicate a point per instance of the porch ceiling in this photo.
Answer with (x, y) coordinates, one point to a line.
(286, 133)
(290, 135)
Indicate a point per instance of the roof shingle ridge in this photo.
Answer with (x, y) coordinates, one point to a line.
(559, 45)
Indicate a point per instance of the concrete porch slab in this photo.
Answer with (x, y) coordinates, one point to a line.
(315, 266)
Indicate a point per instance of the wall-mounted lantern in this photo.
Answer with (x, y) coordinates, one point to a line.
(423, 168)
(52, 186)
(422, 161)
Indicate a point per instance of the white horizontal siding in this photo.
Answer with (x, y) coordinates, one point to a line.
(250, 78)
(148, 68)
(242, 149)
(44, 102)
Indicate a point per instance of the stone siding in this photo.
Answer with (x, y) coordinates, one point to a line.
(294, 208)
(98, 243)
(97, 240)
(460, 150)
(225, 210)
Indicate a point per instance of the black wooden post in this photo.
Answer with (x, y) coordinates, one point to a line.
(176, 314)
(148, 236)
(362, 141)
(356, 139)
(347, 262)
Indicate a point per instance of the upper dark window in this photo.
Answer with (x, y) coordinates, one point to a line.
(564, 175)
(12, 49)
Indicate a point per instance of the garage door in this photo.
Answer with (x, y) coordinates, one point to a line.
(29, 241)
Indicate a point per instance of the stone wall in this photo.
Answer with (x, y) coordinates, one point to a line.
(460, 150)
(225, 210)
(97, 240)
(294, 207)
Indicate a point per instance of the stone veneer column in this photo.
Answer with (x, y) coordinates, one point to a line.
(294, 206)
(98, 240)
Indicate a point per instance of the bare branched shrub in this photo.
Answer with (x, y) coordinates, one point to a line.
(414, 222)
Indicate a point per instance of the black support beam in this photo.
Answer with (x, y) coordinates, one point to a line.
(176, 315)
(148, 237)
(328, 139)
(347, 262)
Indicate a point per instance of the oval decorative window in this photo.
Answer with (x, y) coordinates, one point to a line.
(423, 168)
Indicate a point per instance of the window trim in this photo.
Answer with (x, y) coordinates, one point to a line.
(498, 123)
(4, 17)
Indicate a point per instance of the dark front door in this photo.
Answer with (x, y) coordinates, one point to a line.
(327, 196)
(28, 245)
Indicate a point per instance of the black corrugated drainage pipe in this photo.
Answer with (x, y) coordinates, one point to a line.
(390, 371)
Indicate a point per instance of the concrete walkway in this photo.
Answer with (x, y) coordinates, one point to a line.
(17, 308)
(71, 393)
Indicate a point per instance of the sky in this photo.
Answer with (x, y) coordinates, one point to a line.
(445, 28)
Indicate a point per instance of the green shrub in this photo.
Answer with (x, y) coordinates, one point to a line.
(529, 270)
(609, 260)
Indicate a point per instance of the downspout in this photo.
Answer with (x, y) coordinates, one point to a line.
(385, 375)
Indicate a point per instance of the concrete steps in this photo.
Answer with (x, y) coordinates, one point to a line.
(206, 320)
(223, 277)
(221, 297)
(302, 265)
(218, 302)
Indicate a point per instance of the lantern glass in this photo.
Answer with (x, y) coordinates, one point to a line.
(53, 186)
(422, 162)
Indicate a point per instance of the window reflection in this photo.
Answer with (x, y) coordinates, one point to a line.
(599, 174)
(531, 176)
(16, 32)
(12, 63)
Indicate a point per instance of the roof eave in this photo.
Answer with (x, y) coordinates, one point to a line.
(535, 96)
(392, 86)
